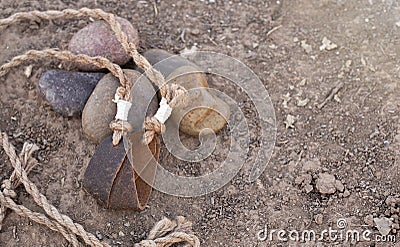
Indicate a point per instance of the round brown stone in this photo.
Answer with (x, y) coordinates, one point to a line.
(203, 111)
(97, 39)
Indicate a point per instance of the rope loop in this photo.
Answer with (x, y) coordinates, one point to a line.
(166, 232)
(152, 126)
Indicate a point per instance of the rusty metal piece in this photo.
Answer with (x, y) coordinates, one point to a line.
(112, 178)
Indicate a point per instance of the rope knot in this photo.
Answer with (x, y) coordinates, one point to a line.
(120, 127)
(168, 232)
(173, 93)
(171, 97)
(165, 233)
(152, 126)
(7, 189)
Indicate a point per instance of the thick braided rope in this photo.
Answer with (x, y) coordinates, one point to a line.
(165, 233)
(119, 127)
(152, 125)
(9, 185)
(66, 56)
(8, 194)
(173, 238)
(41, 200)
(168, 232)
(169, 92)
(37, 217)
(28, 163)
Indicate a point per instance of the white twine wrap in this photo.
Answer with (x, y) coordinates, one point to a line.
(123, 108)
(164, 111)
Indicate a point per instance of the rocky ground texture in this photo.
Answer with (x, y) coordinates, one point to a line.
(333, 160)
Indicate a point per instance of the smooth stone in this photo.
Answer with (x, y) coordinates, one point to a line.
(67, 91)
(210, 111)
(166, 62)
(100, 110)
(97, 39)
(189, 77)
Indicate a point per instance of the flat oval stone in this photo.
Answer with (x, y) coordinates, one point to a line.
(97, 39)
(67, 91)
(204, 110)
(100, 110)
(166, 62)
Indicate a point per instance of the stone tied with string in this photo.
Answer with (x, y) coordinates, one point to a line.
(51, 217)
(172, 95)
(207, 113)
(165, 232)
(120, 125)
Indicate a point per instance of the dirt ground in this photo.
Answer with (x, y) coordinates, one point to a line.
(355, 137)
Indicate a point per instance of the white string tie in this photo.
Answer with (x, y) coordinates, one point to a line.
(164, 111)
(123, 108)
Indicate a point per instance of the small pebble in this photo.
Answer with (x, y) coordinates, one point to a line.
(28, 71)
(67, 91)
(307, 48)
(121, 234)
(326, 183)
(99, 235)
(308, 188)
(339, 185)
(383, 224)
(318, 219)
(289, 122)
(97, 39)
(195, 31)
(327, 45)
(369, 220)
